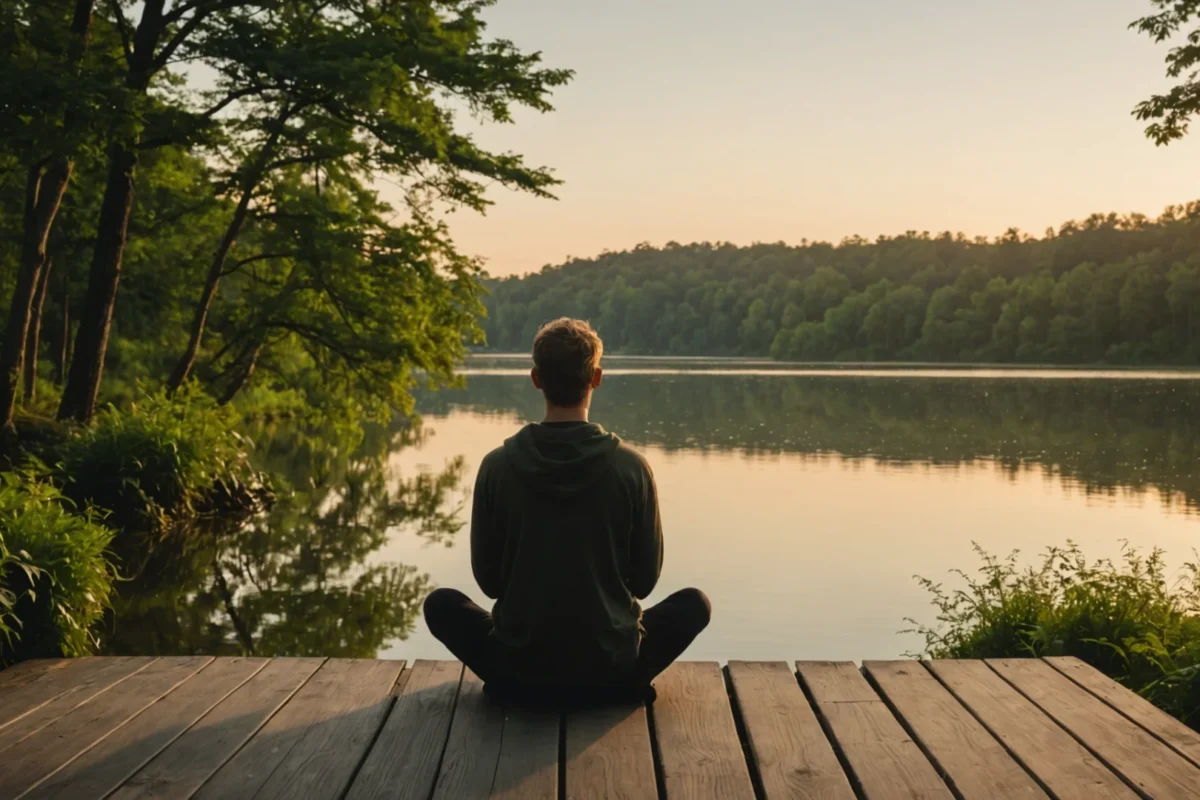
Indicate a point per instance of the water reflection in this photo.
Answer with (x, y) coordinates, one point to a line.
(295, 581)
(846, 487)
(1102, 435)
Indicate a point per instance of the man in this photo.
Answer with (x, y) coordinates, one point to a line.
(566, 538)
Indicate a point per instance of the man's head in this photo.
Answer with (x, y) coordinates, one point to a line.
(566, 362)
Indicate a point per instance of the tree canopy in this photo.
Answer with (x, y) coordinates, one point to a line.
(205, 181)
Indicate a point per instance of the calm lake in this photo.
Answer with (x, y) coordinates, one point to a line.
(802, 501)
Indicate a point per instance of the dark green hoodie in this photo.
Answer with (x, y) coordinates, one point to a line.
(566, 536)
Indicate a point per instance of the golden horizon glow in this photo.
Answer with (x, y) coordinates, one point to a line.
(783, 120)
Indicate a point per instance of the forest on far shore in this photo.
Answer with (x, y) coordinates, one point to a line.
(1110, 289)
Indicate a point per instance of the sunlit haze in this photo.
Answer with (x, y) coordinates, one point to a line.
(779, 120)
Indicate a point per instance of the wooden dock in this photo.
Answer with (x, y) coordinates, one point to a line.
(225, 728)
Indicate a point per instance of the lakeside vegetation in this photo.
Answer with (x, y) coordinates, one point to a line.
(193, 250)
(1129, 619)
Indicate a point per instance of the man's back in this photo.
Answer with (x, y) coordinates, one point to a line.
(565, 535)
(566, 538)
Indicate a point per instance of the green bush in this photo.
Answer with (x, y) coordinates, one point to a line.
(1127, 619)
(158, 465)
(55, 577)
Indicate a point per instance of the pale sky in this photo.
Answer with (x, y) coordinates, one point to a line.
(777, 120)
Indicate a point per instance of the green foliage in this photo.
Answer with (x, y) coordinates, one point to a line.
(55, 577)
(252, 189)
(344, 305)
(158, 465)
(1109, 289)
(1171, 113)
(1127, 619)
(21, 571)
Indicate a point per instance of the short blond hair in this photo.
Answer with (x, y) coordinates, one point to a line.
(566, 353)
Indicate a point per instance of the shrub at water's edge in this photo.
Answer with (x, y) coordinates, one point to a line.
(1127, 619)
(154, 472)
(55, 577)
(158, 467)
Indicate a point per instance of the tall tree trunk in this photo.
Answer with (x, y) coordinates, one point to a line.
(34, 337)
(95, 320)
(44, 189)
(45, 184)
(200, 317)
(64, 343)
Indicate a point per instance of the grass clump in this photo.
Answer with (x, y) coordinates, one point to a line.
(1125, 617)
(158, 465)
(55, 576)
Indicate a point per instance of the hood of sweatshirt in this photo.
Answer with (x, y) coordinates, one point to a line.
(561, 457)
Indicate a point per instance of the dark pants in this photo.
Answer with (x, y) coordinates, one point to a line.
(669, 627)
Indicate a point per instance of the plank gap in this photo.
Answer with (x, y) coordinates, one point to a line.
(449, 727)
(855, 783)
(1070, 667)
(739, 724)
(33, 720)
(1120, 775)
(362, 759)
(562, 756)
(660, 783)
(912, 734)
(1012, 754)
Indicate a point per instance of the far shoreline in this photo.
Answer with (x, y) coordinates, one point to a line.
(879, 366)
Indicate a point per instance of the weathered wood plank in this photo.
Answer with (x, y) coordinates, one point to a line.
(609, 754)
(27, 671)
(37, 697)
(1179, 736)
(187, 763)
(473, 748)
(790, 751)
(493, 752)
(324, 761)
(527, 768)
(886, 762)
(27, 685)
(1124, 746)
(119, 755)
(312, 746)
(33, 758)
(404, 761)
(969, 757)
(701, 756)
(1063, 766)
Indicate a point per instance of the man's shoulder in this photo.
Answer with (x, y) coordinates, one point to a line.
(627, 459)
(494, 460)
(496, 455)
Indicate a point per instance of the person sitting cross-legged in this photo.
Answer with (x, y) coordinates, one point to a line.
(566, 538)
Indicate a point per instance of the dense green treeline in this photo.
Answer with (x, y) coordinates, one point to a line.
(1120, 289)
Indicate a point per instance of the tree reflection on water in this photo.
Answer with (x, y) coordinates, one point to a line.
(1102, 435)
(303, 579)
